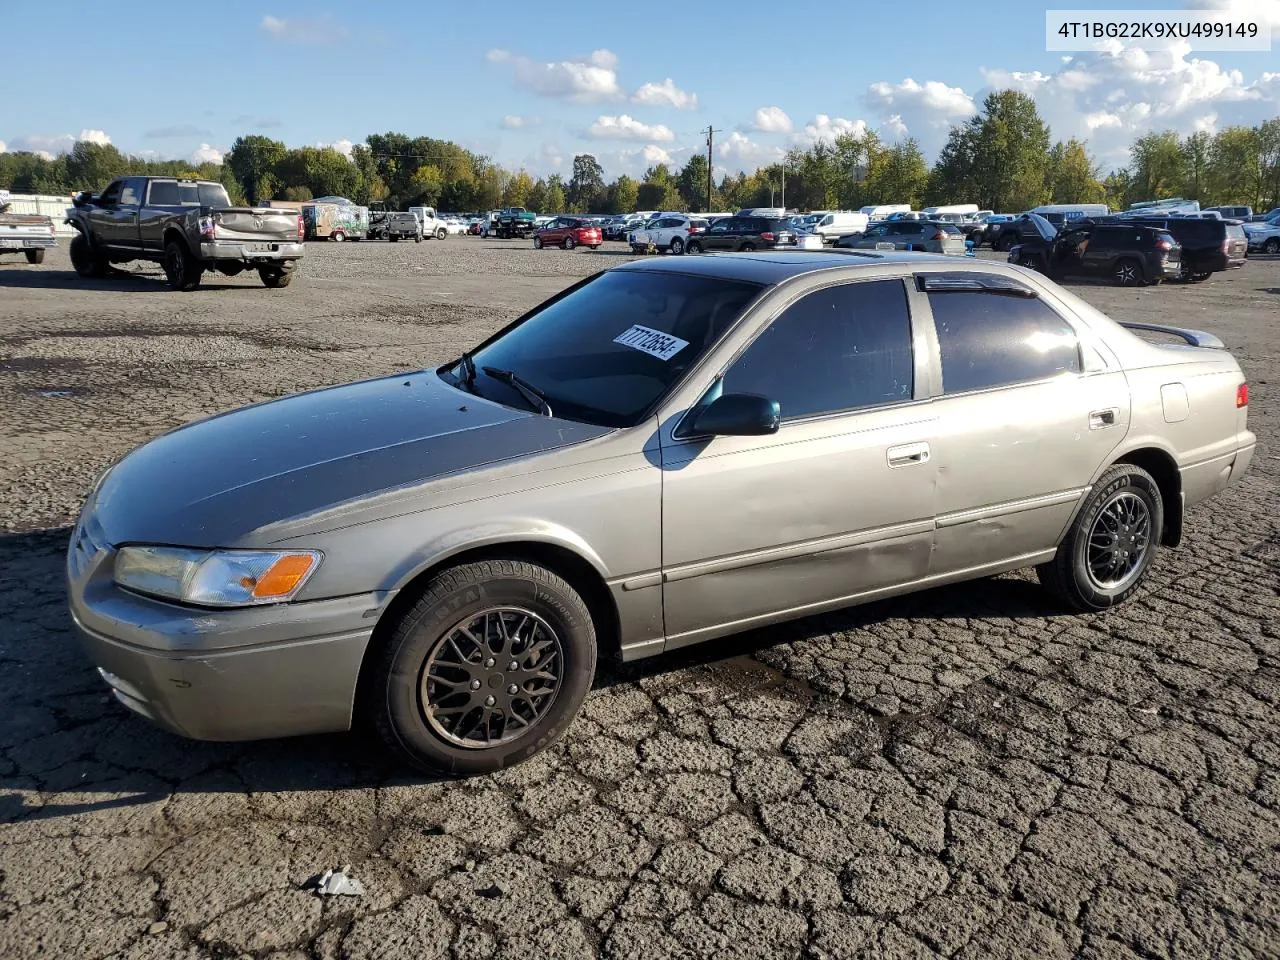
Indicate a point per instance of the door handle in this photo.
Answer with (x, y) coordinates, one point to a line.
(1103, 418)
(908, 453)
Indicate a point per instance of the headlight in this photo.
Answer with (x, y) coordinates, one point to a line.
(216, 578)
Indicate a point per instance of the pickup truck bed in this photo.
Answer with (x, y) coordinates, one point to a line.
(28, 234)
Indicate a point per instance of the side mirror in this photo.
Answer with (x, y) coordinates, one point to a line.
(739, 415)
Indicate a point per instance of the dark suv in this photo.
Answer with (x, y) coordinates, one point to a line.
(744, 233)
(1207, 244)
(1131, 254)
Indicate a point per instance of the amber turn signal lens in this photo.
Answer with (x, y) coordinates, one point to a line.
(283, 575)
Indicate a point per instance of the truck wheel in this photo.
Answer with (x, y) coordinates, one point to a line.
(488, 668)
(35, 256)
(84, 260)
(441, 233)
(337, 236)
(181, 269)
(417, 238)
(276, 277)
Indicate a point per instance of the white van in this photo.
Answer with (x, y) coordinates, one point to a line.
(832, 226)
(950, 208)
(882, 210)
(1073, 211)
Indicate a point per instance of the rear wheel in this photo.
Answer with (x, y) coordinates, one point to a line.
(417, 238)
(181, 269)
(1111, 543)
(747, 247)
(694, 246)
(677, 246)
(35, 256)
(1127, 272)
(487, 669)
(337, 236)
(276, 277)
(568, 243)
(1028, 261)
(84, 260)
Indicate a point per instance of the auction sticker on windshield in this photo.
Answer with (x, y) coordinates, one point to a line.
(653, 342)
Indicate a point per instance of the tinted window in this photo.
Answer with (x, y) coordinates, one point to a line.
(840, 348)
(909, 229)
(720, 226)
(112, 193)
(570, 349)
(989, 340)
(164, 193)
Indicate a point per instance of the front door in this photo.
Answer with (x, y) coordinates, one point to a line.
(722, 235)
(1029, 412)
(102, 220)
(838, 503)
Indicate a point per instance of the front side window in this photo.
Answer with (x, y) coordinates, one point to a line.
(609, 350)
(840, 348)
(131, 192)
(996, 339)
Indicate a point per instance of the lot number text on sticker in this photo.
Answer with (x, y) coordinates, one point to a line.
(653, 342)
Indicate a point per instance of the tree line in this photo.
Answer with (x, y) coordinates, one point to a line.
(1004, 158)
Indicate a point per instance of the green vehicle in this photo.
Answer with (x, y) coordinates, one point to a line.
(513, 223)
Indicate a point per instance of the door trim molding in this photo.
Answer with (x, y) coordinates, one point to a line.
(1011, 507)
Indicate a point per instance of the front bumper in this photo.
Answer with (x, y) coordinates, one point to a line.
(243, 674)
(250, 252)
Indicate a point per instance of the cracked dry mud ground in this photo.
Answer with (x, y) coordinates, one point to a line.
(967, 773)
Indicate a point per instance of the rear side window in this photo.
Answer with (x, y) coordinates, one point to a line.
(164, 193)
(994, 340)
(841, 348)
(1236, 232)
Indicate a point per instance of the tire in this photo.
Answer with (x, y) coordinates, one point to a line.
(677, 246)
(84, 260)
(1127, 272)
(181, 269)
(537, 243)
(1272, 246)
(441, 233)
(1030, 262)
(275, 277)
(747, 247)
(337, 236)
(595, 246)
(489, 597)
(694, 247)
(417, 238)
(35, 256)
(1121, 488)
(568, 243)
(1200, 277)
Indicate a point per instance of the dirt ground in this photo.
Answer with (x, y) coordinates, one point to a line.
(965, 773)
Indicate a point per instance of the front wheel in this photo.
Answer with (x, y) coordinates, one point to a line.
(694, 246)
(35, 256)
(537, 243)
(1272, 246)
(84, 260)
(181, 269)
(677, 246)
(1112, 542)
(441, 234)
(1030, 262)
(747, 247)
(337, 236)
(487, 669)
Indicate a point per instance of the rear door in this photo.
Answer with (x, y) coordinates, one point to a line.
(162, 202)
(1029, 412)
(720, 235)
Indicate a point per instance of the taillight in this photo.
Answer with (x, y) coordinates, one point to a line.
(207, 227)
(302, 229)
(940, 235)
(1226, 245)
(1242, 395)
(766, 236)
(1164, 245)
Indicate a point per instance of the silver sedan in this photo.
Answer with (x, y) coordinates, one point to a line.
(669, 451)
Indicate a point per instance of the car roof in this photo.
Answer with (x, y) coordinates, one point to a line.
(769, 268)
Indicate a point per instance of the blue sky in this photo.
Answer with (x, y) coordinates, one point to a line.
(531, 85)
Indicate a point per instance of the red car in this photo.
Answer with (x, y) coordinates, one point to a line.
(568, 232)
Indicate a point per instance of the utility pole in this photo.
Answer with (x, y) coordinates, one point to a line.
(784, 187)
(710, 131)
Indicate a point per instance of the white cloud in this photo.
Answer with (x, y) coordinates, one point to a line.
(4, 148)
(653, 154)
(49, 145)
(627, 128)
(925, 111)
(825, 128)
(514, 122)
(588, 79)
(1263, 11)
(343, 146)
(739, 152)
(665, 94)
(206, 154)
(772, 120)
(322, 29)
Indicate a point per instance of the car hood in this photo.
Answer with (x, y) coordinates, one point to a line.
(216, 481)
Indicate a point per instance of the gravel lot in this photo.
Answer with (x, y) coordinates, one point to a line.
(965, 773)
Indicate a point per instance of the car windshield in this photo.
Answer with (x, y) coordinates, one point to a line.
(610, 348)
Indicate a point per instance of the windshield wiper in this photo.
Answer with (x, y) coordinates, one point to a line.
(468, 370)
(526, 389)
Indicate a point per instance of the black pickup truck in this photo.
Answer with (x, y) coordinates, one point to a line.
(188, 226)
